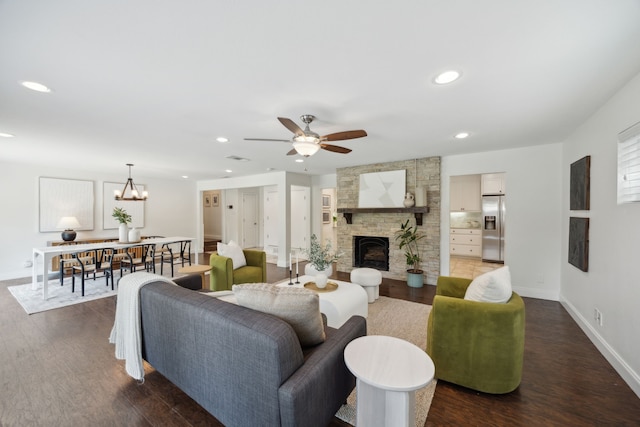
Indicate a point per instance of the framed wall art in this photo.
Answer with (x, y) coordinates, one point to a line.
(65, 197)
(579, 183)
(326, 217)
(207, 200)
(579, 243)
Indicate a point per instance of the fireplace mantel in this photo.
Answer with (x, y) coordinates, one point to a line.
(416, 211)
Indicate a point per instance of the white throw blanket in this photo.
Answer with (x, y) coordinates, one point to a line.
(126, 333)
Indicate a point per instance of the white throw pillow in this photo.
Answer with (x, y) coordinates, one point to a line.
(297, 306)
(494, 286)
(234, 252)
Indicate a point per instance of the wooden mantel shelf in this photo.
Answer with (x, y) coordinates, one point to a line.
(416, 211)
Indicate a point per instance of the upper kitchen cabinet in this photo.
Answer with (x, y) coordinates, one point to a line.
(493, 184)
(465, 193)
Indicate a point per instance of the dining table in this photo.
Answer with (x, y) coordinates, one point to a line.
(47, 253)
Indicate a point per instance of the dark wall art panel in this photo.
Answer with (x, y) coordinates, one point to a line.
(579, 184)
(579, 243)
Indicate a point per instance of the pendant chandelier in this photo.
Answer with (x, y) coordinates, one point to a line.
(134, 194)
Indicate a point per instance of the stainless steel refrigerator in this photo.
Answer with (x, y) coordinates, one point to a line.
(493, 215)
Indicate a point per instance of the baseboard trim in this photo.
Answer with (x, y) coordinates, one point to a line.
(617, 362)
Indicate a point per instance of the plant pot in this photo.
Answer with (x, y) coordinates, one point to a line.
(123, 233)
(415, 280)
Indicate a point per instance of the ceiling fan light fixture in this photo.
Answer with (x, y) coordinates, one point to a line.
(305, 148)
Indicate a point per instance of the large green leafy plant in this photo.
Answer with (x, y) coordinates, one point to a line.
(408, 237)
(320, 256)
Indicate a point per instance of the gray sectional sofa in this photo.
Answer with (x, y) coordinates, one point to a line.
(245, 367)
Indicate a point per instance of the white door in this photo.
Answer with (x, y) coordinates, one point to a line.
(300, 218)
(250, 220)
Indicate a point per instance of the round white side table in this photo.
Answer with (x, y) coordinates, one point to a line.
(388, 371)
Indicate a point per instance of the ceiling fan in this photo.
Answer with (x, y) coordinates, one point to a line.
(307, 143)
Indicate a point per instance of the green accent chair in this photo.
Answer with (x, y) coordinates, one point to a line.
(223, 276)
(478, 345)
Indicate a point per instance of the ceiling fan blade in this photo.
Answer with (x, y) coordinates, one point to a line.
(267, 139)
(293, 152)
(335, 148)
(341, 136)
(290, 124)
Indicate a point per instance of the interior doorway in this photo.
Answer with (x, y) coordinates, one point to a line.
(212, 219)
(250, 221)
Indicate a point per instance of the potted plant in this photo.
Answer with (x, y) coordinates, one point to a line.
(321, 259)
(408, 238)
(123, 218)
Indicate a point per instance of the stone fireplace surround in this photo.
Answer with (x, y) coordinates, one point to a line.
(423, 172)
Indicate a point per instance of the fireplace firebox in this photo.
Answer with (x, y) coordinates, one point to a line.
(372, 252)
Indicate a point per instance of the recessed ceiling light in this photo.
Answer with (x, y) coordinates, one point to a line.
(185, 176)
(299, 160)
(461, 135)
(6, 135)
(222, 139)
(228, 170)
(447, 77)
(38, 87)
(270, 169)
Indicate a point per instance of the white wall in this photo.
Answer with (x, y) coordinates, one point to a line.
(612, 283)
(533, 219)
(170, 210)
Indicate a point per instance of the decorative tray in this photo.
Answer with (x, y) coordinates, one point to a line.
(331, 286)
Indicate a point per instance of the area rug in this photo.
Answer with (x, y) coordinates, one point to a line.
(401, 319)
(61, 296)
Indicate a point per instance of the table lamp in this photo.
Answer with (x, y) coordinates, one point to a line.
(68, 223)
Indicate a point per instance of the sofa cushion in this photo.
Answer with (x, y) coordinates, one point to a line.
(296, 306)
(494, 286)
(233, 251)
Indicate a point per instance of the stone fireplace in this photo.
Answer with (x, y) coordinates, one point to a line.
(424, 172)
(372, 252)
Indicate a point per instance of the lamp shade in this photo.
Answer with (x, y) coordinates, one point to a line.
(68, 223)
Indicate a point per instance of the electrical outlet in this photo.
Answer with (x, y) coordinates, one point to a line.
(597, 316)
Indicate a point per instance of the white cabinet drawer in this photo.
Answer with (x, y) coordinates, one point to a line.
(465, 239)
(465, 250)
(474, 231)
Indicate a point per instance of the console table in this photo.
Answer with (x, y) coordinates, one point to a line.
(49, 252)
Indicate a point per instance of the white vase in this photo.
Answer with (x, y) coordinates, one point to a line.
(310, 270)
(123, 233)
(134, 235)
(321, 280)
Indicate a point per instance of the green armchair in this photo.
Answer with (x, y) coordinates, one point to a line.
(223, 276)
(479, 345)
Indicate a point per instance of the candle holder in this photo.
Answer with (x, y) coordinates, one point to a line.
(297, 280)
(290, 280)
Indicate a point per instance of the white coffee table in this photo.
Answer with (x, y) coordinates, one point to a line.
(388, 371)
(339, 305)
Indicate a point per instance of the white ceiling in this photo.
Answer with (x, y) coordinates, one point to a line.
(155, 82)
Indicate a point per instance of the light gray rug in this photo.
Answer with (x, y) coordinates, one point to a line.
(401, 319)
(61, 296)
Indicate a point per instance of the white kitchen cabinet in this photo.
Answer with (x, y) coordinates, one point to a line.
(493, 184)
(465, 242)
(465, 193)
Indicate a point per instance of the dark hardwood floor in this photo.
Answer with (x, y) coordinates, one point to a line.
(58, 369)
